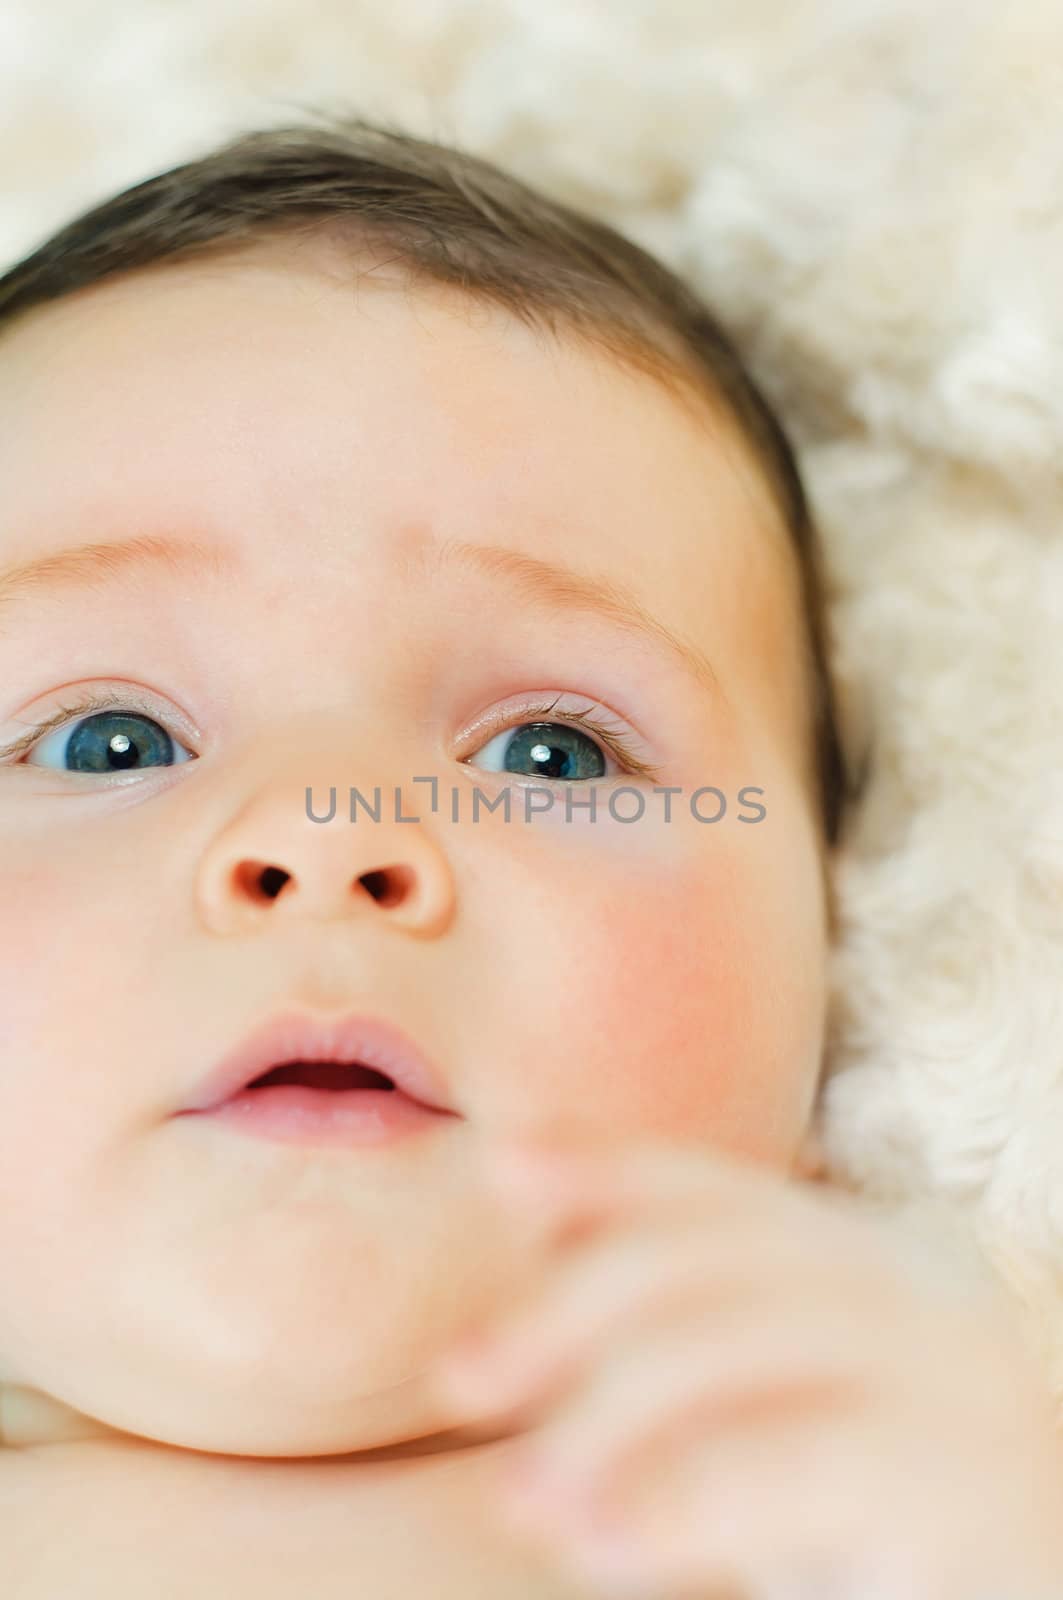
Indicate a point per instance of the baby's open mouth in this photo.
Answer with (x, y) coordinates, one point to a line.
(298, 1060)
(330, 1075)
(325, 1102)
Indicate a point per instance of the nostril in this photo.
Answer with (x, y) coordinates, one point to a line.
(388, 885)
(273, 881)
(259, 881)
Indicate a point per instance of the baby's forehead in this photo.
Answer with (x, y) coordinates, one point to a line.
(221, 382)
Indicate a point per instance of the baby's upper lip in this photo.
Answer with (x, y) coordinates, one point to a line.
(300, 1036)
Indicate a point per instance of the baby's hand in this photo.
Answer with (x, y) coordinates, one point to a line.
(741, 1386)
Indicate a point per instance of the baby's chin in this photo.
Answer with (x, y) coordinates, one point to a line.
(400, 1423)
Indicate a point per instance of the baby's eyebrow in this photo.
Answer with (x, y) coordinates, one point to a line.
(88, 566)
(555, 587)
(548, 585)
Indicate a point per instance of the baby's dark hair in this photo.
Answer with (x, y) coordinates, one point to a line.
(451, 217)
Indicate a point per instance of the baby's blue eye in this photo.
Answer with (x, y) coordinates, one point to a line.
(110, 741)
(549, 749)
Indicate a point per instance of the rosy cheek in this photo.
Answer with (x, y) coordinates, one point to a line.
(680, 1000)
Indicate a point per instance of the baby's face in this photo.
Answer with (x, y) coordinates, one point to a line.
(664, 977)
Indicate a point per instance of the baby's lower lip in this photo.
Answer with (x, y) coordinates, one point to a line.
(293, 1114)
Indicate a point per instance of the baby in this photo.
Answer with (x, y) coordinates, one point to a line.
(417, 740)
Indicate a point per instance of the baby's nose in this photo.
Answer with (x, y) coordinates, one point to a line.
(272, 859)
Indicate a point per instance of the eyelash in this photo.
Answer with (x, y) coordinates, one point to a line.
(108, 700)
(105, 700)
(614, 741)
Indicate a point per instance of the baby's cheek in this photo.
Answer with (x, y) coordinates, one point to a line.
(31, 946)
(672, 994)
(691, 1014)
(65, 940)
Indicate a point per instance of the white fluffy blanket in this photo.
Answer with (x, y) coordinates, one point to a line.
(871, 193)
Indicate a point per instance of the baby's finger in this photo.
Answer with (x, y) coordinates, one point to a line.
(620, 1286)
(649, 1403)
(768, 1504)
(588, 1184)
(853, 1502)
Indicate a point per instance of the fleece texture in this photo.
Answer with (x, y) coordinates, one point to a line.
(870, 194)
